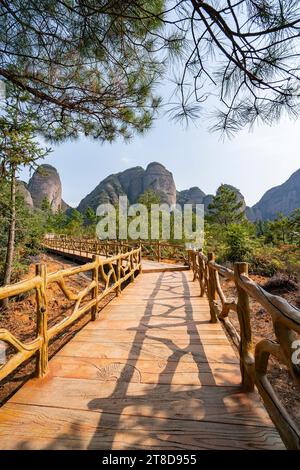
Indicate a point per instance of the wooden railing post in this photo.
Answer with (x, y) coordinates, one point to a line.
(119, 287)
(191, 260)
(131, 267)
(95, 290)
(194, 262)
(140, 259)
(246, 345)
(212, 289)
(211, 279)
(201, 274)
(42, 317)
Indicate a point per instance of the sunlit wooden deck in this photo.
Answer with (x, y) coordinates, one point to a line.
(151, 373)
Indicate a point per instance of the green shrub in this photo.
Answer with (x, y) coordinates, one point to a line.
(239, 243)
(264, 264)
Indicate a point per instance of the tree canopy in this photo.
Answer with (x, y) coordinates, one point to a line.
(225, 207)
(81, 64)
(90, 66)
(18, 147)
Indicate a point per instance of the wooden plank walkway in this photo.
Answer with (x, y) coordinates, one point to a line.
(149, 266)
(151, 373)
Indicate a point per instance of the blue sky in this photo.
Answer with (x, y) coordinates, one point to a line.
(252, 161)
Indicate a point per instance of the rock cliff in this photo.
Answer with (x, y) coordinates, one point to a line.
(45, 183)
(132, 182)
(22, 189)
(284, 198)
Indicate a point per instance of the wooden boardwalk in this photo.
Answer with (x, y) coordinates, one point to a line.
(151, 373)
(149, 266)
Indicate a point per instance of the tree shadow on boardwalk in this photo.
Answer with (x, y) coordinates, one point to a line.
(164, 402)
(164, 415)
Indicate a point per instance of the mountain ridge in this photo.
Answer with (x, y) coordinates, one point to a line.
(283, 198)
(132, 182)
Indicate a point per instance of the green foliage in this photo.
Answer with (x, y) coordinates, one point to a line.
(148, 198)
(90, 217)
(90, 67)
(46, 206)
(281, 230)
(75, 223)
(238, 242)
(225, 208)
(87, 67)
(90, 222)
(54, 222)
(265, 261)
(260, 244)
(18, 145)
(294, 221)
(236, 54)
(29, 231)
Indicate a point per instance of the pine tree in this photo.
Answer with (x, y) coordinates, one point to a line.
(88, 67)
(18, 147)
(90, 216)
(225, 207)
(75, 223)
(148, 198)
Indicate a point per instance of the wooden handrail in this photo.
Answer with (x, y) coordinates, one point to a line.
(156, 250)
(254, 360)
(106, 276)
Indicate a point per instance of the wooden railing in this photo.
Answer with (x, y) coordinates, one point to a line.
(86, 246)
(157, 250)
(106, 276)
(254, 359)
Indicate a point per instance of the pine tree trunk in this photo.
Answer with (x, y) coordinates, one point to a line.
(11, 235)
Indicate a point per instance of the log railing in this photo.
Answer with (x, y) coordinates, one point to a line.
(254, 359)
(86, 246)
(105, 276)
(156, 250)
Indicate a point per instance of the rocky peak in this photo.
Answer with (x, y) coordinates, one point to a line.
(45, 183)
(160, 180)
(193, 195)
(284, 198)
(22, 189)
(132, 182)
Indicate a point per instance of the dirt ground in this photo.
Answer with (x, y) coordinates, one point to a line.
(262, 328)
